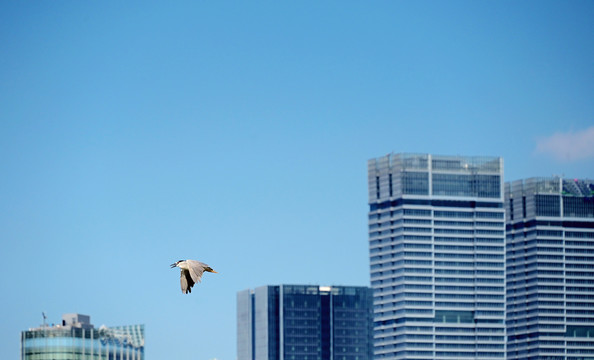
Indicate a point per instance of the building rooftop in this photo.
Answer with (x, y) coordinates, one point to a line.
(555, 185)
(73, 324)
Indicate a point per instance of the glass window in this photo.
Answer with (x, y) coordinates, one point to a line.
(454, 316)
(415, 183)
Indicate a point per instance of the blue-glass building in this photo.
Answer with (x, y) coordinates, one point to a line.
(76, 338)
(436, 247)
(550, 269)
(304, 322)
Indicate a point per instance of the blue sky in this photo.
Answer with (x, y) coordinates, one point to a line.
(134, 134)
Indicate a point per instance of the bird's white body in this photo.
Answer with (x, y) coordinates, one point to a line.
(183, 265)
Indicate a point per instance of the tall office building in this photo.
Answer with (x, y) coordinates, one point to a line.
(76, 338)
(436, 242)
(550, 269)
(303, 322)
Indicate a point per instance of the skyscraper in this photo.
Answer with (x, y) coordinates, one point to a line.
(304, 322)
(436, 243)
(550, 269)
(76, 338)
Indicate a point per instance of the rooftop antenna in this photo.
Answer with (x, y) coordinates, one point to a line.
(44, 318)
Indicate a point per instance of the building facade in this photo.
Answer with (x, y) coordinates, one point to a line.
(436, 242)
(76, 338)
(550, 269)
(304, 322)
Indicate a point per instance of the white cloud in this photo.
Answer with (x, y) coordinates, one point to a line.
(569, 146)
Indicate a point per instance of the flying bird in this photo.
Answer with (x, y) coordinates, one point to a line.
(191, 273)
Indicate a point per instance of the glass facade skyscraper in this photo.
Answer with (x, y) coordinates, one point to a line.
(550, 269)
(304, 322)
(76, 338)
(436, 243)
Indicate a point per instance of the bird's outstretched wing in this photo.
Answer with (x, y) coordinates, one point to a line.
(196, 269)
(186, 281)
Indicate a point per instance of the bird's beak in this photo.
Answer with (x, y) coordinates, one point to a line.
(173, 265)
